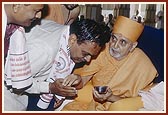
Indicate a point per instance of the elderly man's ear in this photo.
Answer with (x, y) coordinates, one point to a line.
(133, 46)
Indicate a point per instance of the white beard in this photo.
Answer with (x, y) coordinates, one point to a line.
(114, 53)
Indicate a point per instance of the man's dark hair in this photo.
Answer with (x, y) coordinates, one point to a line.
(89, 30)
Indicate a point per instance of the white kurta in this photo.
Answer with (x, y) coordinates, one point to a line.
(61, 68)
(42, 43)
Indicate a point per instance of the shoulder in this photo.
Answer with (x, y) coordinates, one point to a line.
(139, 52)
(140, 55)
(46, 30)
(47, 27)
(50, 25)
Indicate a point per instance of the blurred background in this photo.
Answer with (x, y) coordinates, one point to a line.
(148, 14)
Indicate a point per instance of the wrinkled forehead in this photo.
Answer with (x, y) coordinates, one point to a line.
(119, 36)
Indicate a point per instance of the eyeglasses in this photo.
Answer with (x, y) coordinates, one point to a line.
(70, 7)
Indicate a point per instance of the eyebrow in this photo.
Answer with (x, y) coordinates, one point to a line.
(113, 36)
(125, 39)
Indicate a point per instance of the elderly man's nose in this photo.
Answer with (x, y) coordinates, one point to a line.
(116, 44)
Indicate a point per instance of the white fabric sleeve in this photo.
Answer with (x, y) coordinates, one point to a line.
(39, 87)
(153, 99)
(40, 65)
(19, 60)
(43, 45)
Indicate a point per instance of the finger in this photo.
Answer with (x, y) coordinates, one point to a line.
(69, 89)
(108, 89)
(68, 93)
(58, 103)
(75, 82)
(66, 81)
(109, 92)
(69, 80)
(96, 94)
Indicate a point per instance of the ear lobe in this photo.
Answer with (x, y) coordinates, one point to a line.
(94, 44)
(16, 7)
(72, 38)
(133, 46)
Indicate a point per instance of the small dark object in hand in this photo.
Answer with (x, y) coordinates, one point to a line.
(101, 89)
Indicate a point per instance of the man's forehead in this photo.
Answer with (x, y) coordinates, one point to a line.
(119, 35)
